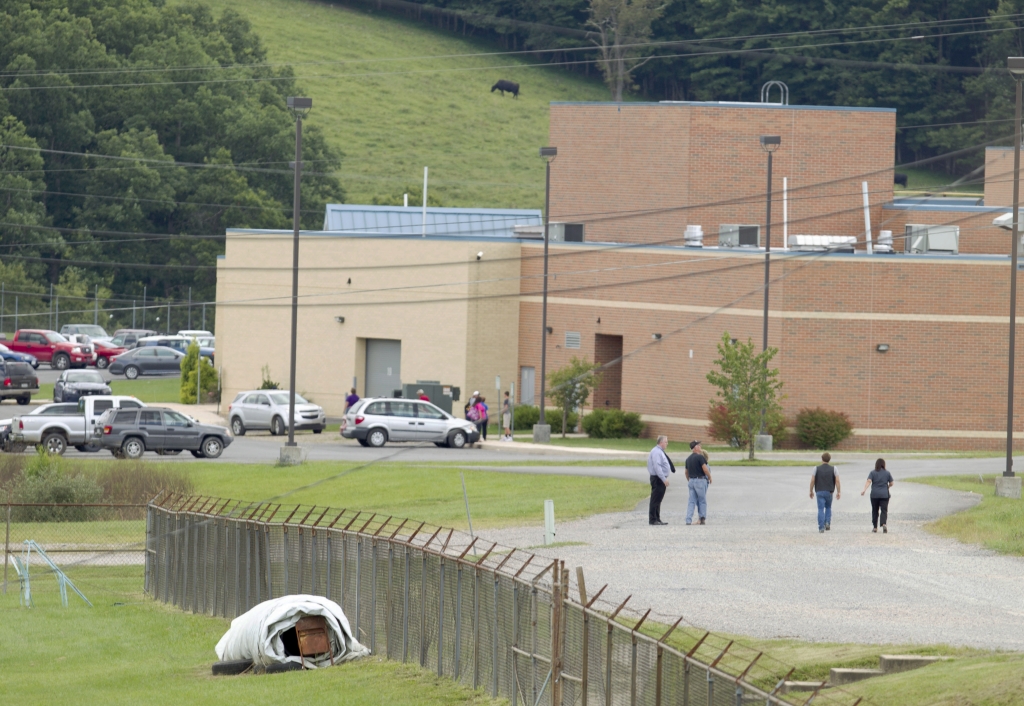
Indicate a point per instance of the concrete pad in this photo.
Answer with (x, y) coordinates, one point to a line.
(904, 663)
(541, 433)
(1008, 487)
(848, 676)
(292, 456)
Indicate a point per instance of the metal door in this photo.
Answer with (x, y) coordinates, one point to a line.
(402, 422)
(258, 412)
(383, 367)
(179, 432)
(152, 427)
(431, 424)
(526, 385)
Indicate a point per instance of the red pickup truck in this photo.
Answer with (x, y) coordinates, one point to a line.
(50, 347)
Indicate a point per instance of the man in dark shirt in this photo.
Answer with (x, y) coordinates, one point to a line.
(697, 479)
(824, 483)
(351, 399)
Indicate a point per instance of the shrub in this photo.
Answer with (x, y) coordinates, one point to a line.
(612, 424)
(139, 482)
(267, 383)
(821, 428)
(47, 479)
(527, 415)
(208, 379)
(720, 426)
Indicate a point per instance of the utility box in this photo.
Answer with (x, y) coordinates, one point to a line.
(735, 235)
(440, 395)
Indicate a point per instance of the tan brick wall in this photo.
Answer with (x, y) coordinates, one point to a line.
(999, 176)
(445, 335)
(640, 173)
(941, 385)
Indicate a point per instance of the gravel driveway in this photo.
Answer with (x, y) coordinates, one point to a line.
(760, 567)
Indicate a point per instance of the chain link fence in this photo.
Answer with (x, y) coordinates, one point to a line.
(502, 620)
(75, 534)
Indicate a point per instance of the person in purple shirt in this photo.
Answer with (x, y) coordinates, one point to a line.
(351, 399)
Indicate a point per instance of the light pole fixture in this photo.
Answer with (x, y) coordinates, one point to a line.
(299, 108)
(543, 433)
(1016, 66)
(769, 143)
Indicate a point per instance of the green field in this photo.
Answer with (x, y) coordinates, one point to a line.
(427, 493)
(995, 523)
(395, 97)
(924, 180)
(149, 390)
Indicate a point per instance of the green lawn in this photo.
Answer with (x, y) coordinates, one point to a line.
(417, 111)
(149, 390)
(425, 493)
(996, 523)
(924, 180)
(133, 651)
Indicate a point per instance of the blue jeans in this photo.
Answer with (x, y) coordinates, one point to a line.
(698, 498)
(824, 508)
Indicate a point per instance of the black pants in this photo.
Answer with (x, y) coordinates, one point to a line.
(879, 504)
(657, 495)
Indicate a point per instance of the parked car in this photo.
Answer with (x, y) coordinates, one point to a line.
(128, 337)
(374, 422)
(130, 433)
(96, 333)
(7, 354)
(19, 381)
(196, 333)
(83, 340)
(178, 343)
(74, 384)
(55, 432)
(148, 360)
(50, 347)
(105, 353)
(268, 409)
(54, 408)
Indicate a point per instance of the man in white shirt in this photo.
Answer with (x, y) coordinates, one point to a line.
(658, 467)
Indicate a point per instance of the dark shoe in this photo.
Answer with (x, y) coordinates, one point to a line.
(702, 520)
(658, 523)
(821, 531)
(885, 530)
(828, 526)
(874, 529)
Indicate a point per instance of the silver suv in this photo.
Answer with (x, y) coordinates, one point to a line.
(374, 422)
(268, 409)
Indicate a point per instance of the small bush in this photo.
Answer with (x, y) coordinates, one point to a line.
(47, 479)
(209, 381)
(720, 426)
(527, 415)
(821, 428)
(612, 424)
(267, 383)
(139, 482)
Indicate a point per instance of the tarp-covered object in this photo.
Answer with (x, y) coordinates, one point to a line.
(257, 634)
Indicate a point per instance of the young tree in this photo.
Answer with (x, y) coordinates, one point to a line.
(621, 24)
(571, 386)
(747, 388)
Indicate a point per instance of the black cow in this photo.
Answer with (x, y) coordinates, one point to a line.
(504, 85)
(899, 178)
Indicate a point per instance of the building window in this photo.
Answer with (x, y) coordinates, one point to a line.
(572, 339)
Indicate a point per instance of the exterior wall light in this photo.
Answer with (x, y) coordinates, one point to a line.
(340, 319)
(656, 336)
(882, 348)
(550, 330)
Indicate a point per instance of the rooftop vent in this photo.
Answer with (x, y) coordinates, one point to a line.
(558, 232)
(734, 235)
(922, 239)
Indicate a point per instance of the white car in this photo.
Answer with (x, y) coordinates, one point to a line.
(195, 333)
(375, 422)
(268, 409)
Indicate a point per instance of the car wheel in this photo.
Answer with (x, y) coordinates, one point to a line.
(24, 400)
(55, 444)
(212, 447)
(197, 454)
(318, 431)
(61, 361)
(17, 448)
(131, 372)
(377, 438)
(237, 426)
(133, 448)
(457, 439)
(362, 442)
(441, 444)
(277, 427)
(102, 363)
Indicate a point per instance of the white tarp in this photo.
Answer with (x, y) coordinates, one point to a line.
(256, 635)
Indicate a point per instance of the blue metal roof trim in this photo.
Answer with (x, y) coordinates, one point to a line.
(729, 104)
(399, 220)
(961, 205)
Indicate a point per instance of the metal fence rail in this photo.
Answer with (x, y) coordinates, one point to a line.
(494, 618)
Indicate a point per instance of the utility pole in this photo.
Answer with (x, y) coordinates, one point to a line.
(542, 430)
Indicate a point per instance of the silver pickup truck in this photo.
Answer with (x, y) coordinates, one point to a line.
(56, 432)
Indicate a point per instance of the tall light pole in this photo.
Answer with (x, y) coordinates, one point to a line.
(542, 431)
(1016, 67)
(299, 108)
(769, 143)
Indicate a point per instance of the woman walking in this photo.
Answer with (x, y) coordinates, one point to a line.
(879, 480)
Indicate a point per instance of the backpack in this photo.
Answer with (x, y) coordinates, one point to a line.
(473, 414)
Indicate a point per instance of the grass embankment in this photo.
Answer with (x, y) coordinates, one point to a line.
(925, 180)
(995, 523)
(148, 390)
(130, 650)
(431, 494)
(411, 98)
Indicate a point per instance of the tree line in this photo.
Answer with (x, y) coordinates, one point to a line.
(132, 133)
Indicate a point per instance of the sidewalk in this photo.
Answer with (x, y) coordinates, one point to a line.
(204, 413)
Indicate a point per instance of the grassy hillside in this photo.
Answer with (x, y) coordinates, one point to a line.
(393, 110)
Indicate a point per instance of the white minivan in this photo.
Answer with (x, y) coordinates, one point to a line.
(375, 422)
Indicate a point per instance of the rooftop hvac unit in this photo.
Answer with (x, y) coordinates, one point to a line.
(693, 237)
(734, 235)
(558, 232)
(931, 239)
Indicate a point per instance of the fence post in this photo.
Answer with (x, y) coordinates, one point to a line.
(458, 620)
(515, 640)
(248, 566)
(270, 580)
(585, 669)
(405, 608)
(423, 610)
(195, 567)
(686, 683)
(238, 566)
(533, 644)
(7, 545)
(476, 628)
(388, 604)
(256, 558)
(440, 616)
(711, 689)
(330, 551)
(608, 668)
(359, 571)
(284, 542)
(373, 595)
(494, 641)
(559, 577)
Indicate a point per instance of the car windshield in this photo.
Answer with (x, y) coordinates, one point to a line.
(84, 376)
(19, 369)
(54, 337)
(92, 331)
(281, 398)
